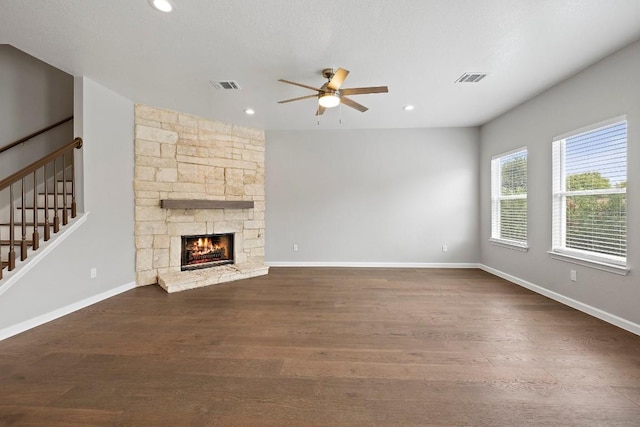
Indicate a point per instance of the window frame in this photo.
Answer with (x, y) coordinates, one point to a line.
(559, 194)
(497, 197)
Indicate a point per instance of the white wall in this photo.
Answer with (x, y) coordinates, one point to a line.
(372, 196)
(105, 240)
(33, 95)
(608, 89)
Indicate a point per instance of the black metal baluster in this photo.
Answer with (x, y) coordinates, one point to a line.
(36, 234)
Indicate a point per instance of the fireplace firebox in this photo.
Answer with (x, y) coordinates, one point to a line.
(206, 250)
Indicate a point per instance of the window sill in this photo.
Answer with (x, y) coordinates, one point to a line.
(509, 244)
(598, 265)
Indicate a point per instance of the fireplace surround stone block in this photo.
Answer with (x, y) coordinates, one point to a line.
(193, 279)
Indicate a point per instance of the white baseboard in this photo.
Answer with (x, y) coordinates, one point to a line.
(370, 264)
(63, 311)
(585, 308)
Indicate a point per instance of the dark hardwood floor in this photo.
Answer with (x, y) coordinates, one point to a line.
(325, 347)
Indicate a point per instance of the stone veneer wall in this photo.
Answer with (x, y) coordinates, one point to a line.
(179, 156)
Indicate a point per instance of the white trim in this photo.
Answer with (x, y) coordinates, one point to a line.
(34, 257)
(497, 197)
(591, 127)
(603, 191)
(509, 244)
(598, 265)
(512, 197)
(63, 311)
(585, 308)
(594, 258)
(508, 153)
(369, 264)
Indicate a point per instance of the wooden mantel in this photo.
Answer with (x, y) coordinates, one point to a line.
(205, 204)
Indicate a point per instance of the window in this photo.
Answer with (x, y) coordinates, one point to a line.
(509, 199)
(590, 194)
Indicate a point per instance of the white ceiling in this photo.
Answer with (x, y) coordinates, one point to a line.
(416, 47)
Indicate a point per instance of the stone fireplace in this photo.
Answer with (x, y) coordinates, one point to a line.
(197, 178)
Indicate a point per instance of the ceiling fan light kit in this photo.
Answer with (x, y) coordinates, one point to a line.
(329, 99)
(330, 95)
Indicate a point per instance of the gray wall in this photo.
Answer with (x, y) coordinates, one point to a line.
(105, 240)
(372, 196)
(608, 89)
(33, 95)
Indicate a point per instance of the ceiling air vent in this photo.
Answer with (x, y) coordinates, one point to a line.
(471, 77)
(225, 85)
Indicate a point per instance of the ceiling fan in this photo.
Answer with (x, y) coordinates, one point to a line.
(330, 95)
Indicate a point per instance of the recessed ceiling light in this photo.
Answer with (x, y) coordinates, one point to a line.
(249, 112)
(408, 107)
(161, 5)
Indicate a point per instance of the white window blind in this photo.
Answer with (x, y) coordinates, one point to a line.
(509, 198)
(589, 194)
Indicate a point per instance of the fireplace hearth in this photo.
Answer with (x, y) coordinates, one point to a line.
(206, 250)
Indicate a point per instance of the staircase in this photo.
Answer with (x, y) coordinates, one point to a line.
(35, 203)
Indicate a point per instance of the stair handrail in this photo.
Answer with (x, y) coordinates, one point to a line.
(76, 143)
(34, 134)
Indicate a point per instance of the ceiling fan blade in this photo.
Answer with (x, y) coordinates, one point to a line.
(351, 103)
(299, 84)
(297, 99)
(320, 110)
(338, 78)
(363, 90)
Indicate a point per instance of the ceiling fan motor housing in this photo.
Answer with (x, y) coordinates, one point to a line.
(327, 73)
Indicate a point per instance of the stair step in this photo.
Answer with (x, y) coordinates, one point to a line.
(29, 214)
(61, 186)
(52, 198)
(51, 187)
(51, 208)
(16, 242)
(17, 230)
(19, 224)
(51, 192)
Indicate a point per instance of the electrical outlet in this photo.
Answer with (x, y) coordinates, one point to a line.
(295, 247)
(574, 276)
(444, 248)
(94, 273)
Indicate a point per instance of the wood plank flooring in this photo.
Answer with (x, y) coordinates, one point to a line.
(325, 347)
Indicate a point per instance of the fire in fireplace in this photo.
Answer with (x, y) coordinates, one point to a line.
(206, 250)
